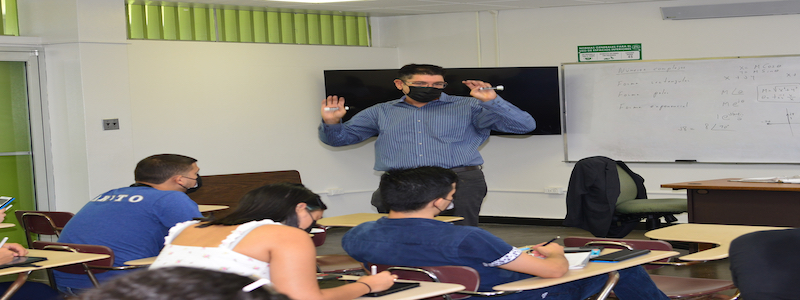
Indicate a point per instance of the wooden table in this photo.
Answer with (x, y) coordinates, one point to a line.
(353, 220)
(721, 235)
(54, 259)
(424, 290)
(722, 201)
(591, 269)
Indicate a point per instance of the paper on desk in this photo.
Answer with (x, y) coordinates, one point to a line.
(782, 179)
(577, 260)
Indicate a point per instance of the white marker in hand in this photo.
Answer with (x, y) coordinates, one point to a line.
(499, 88)
(335, 108)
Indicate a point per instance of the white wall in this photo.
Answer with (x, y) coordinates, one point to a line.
(549, 37)
(241, 108)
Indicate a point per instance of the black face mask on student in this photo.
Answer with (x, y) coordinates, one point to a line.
(196, 187)
(313, 223)
(424, 94)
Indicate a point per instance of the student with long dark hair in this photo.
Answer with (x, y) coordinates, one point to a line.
(264, 237)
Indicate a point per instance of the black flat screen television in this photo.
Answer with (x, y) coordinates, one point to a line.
(532, 89)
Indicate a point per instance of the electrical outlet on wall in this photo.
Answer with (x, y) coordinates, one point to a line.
(110, 124)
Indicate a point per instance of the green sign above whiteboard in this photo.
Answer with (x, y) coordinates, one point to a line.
(610, 52)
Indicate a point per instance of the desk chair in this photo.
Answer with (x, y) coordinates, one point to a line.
(674, 287)
(334, 263)
(608, 199)
(42, 222)
(89, 268)
(462, 275)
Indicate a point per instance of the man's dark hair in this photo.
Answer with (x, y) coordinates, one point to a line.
(407, 71)
(158, 168)
(276, 202)
(180, 283)
(411, 189)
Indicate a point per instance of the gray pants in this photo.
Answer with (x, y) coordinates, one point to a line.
(467, 199)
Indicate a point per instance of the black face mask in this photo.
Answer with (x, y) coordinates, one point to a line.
(313, 223)
(196, 187)
(424, 94)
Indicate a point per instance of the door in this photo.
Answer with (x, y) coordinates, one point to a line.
(22, 163)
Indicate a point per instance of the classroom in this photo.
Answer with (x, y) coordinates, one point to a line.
(242, 107)
(254, 107)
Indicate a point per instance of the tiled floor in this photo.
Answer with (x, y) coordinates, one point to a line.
(520, 235)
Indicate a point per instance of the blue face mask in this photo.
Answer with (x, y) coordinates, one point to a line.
(424, 94)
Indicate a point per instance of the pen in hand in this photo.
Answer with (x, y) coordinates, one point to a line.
(3, 242)
(550, 241)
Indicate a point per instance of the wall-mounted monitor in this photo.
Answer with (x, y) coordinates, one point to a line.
(532, 89)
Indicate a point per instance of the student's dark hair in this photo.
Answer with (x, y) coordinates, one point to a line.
(276, 202)
(180, 283)
(407, 71)
(158, 168)
(411, 189)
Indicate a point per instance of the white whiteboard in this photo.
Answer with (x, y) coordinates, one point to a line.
(709, 110)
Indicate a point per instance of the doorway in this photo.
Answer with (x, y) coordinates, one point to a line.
(23, 171)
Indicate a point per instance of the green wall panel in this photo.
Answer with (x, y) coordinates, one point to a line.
(180, 21)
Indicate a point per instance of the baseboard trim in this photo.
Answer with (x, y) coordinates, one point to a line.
(521, 221)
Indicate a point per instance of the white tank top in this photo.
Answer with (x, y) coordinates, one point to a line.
(221, 258)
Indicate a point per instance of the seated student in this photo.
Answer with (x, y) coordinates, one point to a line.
(764, 264)
(411, 237)
(181, 283)
(266, 236)
(133, 221)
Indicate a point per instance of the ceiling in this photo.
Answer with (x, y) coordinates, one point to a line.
(380, 8)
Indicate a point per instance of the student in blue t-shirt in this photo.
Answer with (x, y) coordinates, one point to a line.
(410, 236)
(133, 221)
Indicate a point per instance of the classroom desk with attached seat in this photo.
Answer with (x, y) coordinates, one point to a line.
(591, 269)
(54, 259)
(353, 220)
(722, 201)
(720, 235)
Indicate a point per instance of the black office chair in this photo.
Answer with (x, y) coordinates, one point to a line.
(608, 199)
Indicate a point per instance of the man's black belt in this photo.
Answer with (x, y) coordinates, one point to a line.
(467, 168)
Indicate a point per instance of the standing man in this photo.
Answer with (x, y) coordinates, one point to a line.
(133, 221)
(427, 127)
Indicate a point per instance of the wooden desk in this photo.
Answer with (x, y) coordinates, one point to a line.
(722, 201)
(353, 220)
(142, 261)
(54, 259)
(721, 235)
(204, 208)
(591, 269)
(424, 290)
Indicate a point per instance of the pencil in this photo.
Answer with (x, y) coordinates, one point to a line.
(553, 240)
